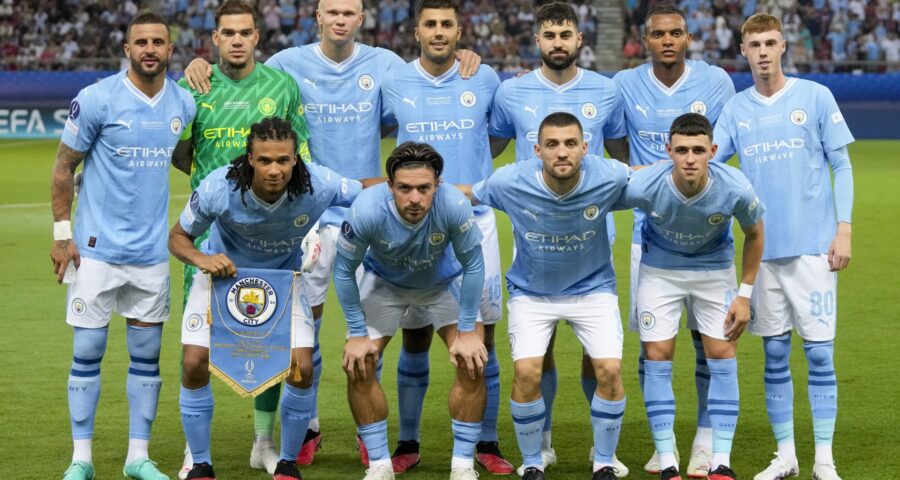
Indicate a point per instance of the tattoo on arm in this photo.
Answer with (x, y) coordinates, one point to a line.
(62, 183)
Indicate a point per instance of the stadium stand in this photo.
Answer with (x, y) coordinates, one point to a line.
(823, 35)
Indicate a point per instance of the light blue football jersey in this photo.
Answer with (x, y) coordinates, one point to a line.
(343, 107)
(447, 112)
(522, 103)
(691, 233)
(406, 255)
(782, 143)
(255, 233)
(561, 242)
(128, 139)
(650, 108)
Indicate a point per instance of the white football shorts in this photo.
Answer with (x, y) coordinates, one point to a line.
(315, 283)
(798, 292)
(634, 323)
(661, 293)
(140, 292)
(195, 324)
(593, 317)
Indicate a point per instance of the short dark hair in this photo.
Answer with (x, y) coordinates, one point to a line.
(268, 129)
(235, 7)
(146, 18)
(413, 155)
(555, 13)
(691, 125)
(665, 9)
(559, 119)
(437, 4)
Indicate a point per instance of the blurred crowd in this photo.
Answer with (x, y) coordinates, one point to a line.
(822, 35)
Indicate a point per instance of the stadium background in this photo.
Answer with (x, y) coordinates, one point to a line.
(50, 49)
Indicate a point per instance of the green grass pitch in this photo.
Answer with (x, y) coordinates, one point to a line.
(36, 353)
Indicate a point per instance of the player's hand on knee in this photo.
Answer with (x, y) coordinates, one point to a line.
(217, 265)
(737, 318)
(312, 249)
(839, 251)
(356, 350)
(197, 75)
(63, 252)
(469, 348)
(469, 62)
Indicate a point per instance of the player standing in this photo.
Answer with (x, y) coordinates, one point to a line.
(654, 94)
(124, 128)
(241, 94)
(257, 211)
(340, 84)
(433, 104)
(687, 255)
(561, 86)
(414, 237)
(562, 271)
(788, 134)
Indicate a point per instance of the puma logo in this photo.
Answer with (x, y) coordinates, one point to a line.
(641, 109)
(411, 102)
(210, 106)
(124, 124)
(744, 124)
(311, 82)
(532, 110)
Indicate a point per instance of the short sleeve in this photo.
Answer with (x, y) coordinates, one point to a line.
(723, 136)
(615, 125)
(833, 129)
(199, 213)
(298, 121)
(501, 124)
(748, 209)
(87, 113)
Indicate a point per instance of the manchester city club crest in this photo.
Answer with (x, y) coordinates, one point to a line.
(591, 212)
(467, 99)
(366, 82)
(588, 110)
(436, 238)
(715, 219)
(647, 320)
(799, 116)
(698, 107)
(267, 106)
(301, 220)
(193, 322)
(78, 307)
(175, 125)
(252, 301)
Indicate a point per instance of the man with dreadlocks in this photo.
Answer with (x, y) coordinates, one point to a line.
(257, 211)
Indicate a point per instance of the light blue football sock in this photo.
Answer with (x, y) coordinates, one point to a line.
(492, 404)
(374, 436)
(724, 403)
(465, 436)
(659, 399)
(641, 360)
(822, 389)
(549, 384)
(297, 405)
(701, 380)
(143, 383)
(606, 422)
(528, 423)
(779, 387)
(196, 418)
(317, 375)
(412, 385)
(89, 345)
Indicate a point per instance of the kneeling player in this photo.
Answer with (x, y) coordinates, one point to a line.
(251, 208)
(415, 237)
(687, 257)
(561, 271)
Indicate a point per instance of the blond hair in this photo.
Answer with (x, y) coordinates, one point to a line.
(759, 23)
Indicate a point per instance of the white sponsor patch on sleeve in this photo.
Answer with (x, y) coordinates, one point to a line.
(836, 117)
(189, 214)
(70, 126)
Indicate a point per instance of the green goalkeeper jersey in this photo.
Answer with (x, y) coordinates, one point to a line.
(225, 114)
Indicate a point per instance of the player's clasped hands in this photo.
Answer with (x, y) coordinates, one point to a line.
(469, 348)
(217, 265)
(355, 352)
(737, 318)
(63, 252)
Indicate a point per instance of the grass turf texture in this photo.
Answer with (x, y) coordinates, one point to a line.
(36, 355)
